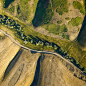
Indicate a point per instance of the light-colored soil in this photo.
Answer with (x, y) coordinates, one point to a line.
(31, 3)
(54, 73)
(8, 50)
(17, 67)
(6, 30)
(23, 71)
(1, 34)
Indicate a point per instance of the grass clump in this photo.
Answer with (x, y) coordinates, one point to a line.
(65, 36)
(44, 13)
(75, 21)
(59, 22)
(67, 18)
(78, 5)
(12, 8)
(60, 6)
(63, 28)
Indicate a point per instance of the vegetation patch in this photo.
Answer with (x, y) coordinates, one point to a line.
(63, 28)
(78, 5)
(59, 22)
(65, 36)
(84, 5)
(56, 29)
(18, 9)
(75, 21)
(67, 18)
(23, 10)
(60, 6)
(12, 8)
(44, 13)
(24, 4)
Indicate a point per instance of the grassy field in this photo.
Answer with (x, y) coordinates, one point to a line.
(56, 29)
(23, 10)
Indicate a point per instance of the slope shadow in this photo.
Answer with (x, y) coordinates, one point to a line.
(34, 83)
(82, 34)
(43, 13)
(12, 63)
(7, 2)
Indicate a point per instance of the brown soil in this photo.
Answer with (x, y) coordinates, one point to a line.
(54, 73)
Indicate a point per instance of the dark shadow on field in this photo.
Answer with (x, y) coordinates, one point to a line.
(43, 13)
(7, 2)
(12, 63)
(34, 83)
(82, 34)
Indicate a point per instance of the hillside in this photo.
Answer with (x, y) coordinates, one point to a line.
(16, 64)
(54, 73)
(7, 52)
(62, 18)
(24, 68)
